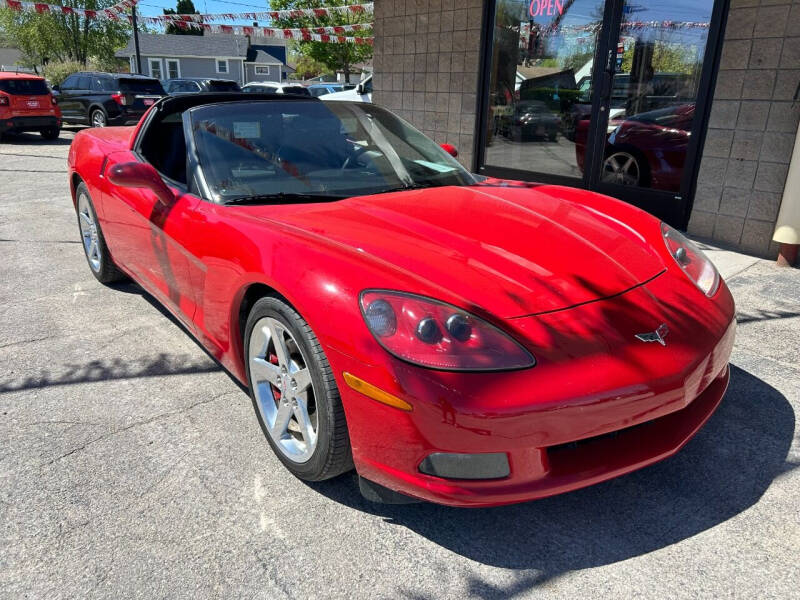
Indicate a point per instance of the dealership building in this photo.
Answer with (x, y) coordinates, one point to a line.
(686, 108)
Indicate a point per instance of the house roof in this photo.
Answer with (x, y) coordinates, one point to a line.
(9, 56)
(262, 57)
(223, 45)
(267, 54)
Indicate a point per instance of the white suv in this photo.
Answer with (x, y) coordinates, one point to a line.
(273, 87)
(361, 93)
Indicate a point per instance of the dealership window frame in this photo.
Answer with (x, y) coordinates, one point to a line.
(672, 208)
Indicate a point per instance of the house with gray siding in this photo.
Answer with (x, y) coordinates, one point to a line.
(224, 56)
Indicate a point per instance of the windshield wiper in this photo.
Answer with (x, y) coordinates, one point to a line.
(410, 186)
(281, 197)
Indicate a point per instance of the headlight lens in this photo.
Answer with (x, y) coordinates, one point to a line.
(433, 334)
(691, 260)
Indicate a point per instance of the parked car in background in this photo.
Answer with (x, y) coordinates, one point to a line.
(360, 93)
(26, 104)
(100, 99)
(193, 85)
(321, 89)
(273, 87)
(647, 150)
(529, 119)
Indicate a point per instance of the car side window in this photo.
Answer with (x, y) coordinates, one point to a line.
(84, 82)
(70, 83)
(98, 84)
(164, 147)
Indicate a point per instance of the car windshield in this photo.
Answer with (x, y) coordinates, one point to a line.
(223, 86)
(24, 87)
(141, 86)
(297, 90)
(279, 150)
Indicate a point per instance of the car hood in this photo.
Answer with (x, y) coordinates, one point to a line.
(511, 251)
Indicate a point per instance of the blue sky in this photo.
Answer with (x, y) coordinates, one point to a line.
(151, 8)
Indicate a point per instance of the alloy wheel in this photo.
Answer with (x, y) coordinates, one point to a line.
(98, 119)
(621, 168)
(285, 396)
(89, 233)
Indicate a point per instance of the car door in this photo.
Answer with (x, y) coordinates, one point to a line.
(66, 98)
(83, 98)
(147, 236)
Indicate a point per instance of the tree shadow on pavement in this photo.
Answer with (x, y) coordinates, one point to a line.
(724, 470)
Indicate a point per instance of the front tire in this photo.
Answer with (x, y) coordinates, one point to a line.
(294, 392)
(622, 168)
(94, 244)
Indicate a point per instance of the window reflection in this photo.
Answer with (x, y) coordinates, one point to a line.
(542, 76)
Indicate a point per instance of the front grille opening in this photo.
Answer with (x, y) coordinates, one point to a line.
(585, 442)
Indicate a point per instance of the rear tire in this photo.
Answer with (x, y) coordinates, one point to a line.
(97, 255)
(98, 118)
(51, 133)
(292, 388)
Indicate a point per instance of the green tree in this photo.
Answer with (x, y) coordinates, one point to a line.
(307, 68)
(64, 38)
(184, 7)
(337, 57)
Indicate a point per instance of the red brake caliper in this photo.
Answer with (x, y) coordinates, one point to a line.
(276, 392)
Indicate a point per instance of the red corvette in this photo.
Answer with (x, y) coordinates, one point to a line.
(456, 339)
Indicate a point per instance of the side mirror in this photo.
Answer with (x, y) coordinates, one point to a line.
(360, 89)
(450, 149)
(56, 88)
(141, 175)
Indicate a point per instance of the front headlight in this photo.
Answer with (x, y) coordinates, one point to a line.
(691, 260)
(433, 334)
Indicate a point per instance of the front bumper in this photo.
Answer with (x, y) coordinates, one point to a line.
(599, 403)
(19, 124)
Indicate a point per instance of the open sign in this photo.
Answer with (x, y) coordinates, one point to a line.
(540, 8)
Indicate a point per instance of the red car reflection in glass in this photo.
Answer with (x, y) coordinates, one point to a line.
(646, 150)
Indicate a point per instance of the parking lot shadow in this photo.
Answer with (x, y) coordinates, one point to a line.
(721, 472)
(33, 139)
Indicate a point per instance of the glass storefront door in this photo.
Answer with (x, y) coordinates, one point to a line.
(602, 94)
(541, 83)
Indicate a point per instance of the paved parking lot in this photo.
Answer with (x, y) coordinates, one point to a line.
(131, 466)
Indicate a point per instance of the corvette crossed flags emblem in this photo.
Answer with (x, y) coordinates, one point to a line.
(655, 336)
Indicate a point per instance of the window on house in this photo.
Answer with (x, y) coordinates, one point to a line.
(155, 68)
(222, 66)
(262, 70)
(173, 69)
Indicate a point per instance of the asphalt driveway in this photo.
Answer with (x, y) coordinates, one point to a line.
(131, 466)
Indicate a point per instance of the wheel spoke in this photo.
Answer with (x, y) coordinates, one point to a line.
(627, 164)
(306, 428)
(261, 370)
(281, 351)
(86, 219)
(282, 418)
(302, 379)
(92, 251)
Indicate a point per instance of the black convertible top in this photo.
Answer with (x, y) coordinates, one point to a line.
(172, 104)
